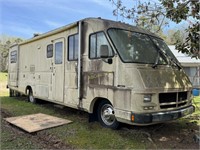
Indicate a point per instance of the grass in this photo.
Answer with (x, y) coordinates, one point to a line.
(196, 103)
(196, 114)
(10, 141)
(3, 77)
(3, 83)
(80, 134)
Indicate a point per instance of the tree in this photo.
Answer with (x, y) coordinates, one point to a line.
(174, 36)
(147, 15)
(5, 43)
(156, 13)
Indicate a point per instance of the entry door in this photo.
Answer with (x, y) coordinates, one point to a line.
(58, 71)
(13, 66)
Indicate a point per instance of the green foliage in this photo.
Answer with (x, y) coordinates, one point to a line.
(5, 43)
(147, 15)
(151, 14)
(191, 44)
(178, 10)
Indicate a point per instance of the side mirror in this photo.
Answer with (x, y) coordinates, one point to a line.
(104, 51)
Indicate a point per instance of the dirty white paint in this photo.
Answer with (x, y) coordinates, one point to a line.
(82, 83)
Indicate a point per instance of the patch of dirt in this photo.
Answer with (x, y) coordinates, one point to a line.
(42, 138)
(171, 135)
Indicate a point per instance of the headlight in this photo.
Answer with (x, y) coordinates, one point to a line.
(147, 98)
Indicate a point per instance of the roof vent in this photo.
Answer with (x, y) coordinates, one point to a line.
(36, 34)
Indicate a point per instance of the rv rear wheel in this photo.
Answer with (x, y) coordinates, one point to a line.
(31, 97)
(106, 115)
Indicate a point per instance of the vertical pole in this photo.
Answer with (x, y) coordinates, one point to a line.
(79, 62)
(18, 58)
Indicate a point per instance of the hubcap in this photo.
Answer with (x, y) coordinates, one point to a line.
(107, 114)
(31, 98)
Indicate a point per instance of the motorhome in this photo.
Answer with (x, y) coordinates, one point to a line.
(114, 71)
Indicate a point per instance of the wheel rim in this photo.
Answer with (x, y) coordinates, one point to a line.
(31, 98)
(107, 114)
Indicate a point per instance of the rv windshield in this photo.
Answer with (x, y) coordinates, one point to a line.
(135, 47)
(164, 48)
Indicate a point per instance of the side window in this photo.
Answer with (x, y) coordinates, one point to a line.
(58, 52)
(49, 50)
(96, 40)
(13, 57)
(73, 47)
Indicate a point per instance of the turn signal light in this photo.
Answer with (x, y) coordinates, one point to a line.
(132, 118)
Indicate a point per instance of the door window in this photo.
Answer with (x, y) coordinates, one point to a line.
(58, 52)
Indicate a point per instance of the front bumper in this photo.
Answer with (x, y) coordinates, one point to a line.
(150, 118)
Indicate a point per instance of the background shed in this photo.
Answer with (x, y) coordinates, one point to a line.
(190, 65)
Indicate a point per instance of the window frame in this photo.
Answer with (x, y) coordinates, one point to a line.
(96, 45)
(72, 35)
(150, 36)
(13, 56)
(56, 55)
(47, 51)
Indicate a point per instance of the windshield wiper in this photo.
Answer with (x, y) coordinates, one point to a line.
(171, 59)
(156, 62)
(166, 56)
(159, 52)
(175, 62)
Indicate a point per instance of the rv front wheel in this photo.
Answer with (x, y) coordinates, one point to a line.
(106, 115)
(31, 97)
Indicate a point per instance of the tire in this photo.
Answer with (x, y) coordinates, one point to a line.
(11, 93)
(31, 97)
(17, 94)
(106, 115)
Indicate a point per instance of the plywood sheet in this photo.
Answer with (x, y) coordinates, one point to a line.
(36, 122)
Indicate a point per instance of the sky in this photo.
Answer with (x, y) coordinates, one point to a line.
(23, 18)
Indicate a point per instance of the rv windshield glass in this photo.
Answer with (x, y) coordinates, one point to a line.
(135, 47)
(164, 48)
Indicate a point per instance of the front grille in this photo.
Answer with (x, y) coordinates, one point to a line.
(182, 96)
(167, 106)
(172, 100)
(167, 97)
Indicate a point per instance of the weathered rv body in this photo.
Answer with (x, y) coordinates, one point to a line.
(114, 71)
